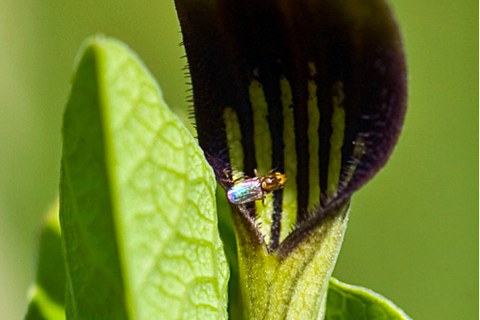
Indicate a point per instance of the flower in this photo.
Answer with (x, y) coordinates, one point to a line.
(314, 89)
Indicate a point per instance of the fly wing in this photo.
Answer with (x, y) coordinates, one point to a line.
(246, 191)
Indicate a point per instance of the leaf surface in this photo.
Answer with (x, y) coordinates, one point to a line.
(47, 294)
(137, 204)
(347, 302)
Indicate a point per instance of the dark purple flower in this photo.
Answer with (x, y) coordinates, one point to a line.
(314, 89)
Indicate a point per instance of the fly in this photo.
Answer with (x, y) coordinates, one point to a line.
(252, 189)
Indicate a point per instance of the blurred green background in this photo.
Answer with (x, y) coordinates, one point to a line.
(413, 233)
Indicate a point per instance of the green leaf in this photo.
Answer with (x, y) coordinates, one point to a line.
(47, 294)
(347, 302)
(137, 202)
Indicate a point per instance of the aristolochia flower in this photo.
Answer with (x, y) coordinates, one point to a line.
(310, 89)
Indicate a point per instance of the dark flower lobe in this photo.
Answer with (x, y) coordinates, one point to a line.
(312, 88)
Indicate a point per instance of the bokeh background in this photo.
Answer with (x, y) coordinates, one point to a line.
(413, 233)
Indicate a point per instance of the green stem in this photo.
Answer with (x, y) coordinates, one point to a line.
(292, 282)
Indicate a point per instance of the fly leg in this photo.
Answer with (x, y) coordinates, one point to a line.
(230, 179)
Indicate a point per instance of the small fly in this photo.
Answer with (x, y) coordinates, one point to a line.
(252, 189)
